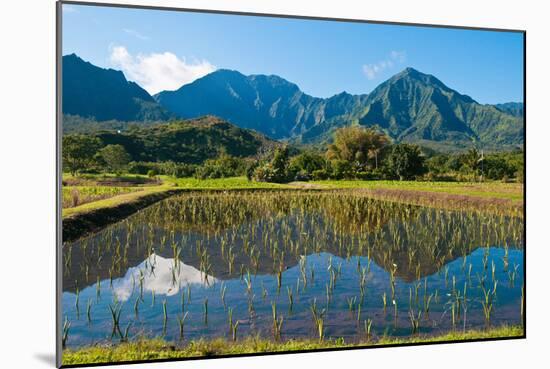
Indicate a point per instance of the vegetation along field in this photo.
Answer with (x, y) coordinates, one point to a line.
(237, 214)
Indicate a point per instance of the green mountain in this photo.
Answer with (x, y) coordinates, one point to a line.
(512, 108)
(188, 141)
(268, 104)
(105, 94)
(416, 107)
(410, 107)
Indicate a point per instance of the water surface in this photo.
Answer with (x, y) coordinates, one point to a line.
(338, 251)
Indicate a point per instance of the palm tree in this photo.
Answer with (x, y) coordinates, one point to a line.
(474, 159)
(378, 142)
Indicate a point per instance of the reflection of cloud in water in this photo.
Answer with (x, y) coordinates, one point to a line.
(158, 276)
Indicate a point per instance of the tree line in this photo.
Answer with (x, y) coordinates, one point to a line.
(355, 153)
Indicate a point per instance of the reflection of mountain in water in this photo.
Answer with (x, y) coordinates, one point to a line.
(159, 275)
(268, 232)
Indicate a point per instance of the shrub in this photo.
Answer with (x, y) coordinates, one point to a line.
(222, 167)
(302, 175)
(306, 162)
(341, 169)
(264, 173)
(169, 168)
(320, 175)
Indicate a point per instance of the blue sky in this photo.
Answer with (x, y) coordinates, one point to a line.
(165, 49)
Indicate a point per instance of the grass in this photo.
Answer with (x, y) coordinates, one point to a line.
(510, 191)
(78, 195)
(154, 349)
(109, 196)
(233, 183)
(114, 200)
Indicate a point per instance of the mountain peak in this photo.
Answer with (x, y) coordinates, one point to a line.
(71, 56)
(225, 72)
(410, 70)
(104, 94)
(416, 74)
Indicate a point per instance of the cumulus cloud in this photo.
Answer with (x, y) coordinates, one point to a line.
(374, 69)
(156, 72)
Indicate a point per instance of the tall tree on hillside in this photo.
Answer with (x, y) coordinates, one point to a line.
(115, 157)
(78, 152)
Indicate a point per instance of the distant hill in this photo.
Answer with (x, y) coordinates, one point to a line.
(512, 108)
(189, 141)
(105, 94)
(78, 124)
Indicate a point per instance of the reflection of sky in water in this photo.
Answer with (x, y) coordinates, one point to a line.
(340, 322)
(159, 275)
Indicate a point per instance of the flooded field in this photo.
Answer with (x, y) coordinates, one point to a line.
(291, 264)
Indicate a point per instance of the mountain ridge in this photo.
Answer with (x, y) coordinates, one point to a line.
(411, 106)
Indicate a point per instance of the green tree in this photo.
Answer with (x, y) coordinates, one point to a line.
(473, 161)
(306, 162)
(405, 161)
(78, 152)
(356, 145)
(276, 170)
(222, 167)
(341, 169)
(115, 156)
(280, 164)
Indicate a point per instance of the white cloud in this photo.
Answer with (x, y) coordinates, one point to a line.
(373, 70)
(136, 34)
(164, 281)
(158, 71)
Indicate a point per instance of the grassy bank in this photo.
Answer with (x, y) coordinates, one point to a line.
(155, 349)
(134, 193)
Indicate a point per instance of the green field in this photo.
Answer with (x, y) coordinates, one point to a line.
(99, 195)
(512, 191)
(232, 183)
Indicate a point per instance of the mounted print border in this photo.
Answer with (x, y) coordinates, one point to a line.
(209, 207)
